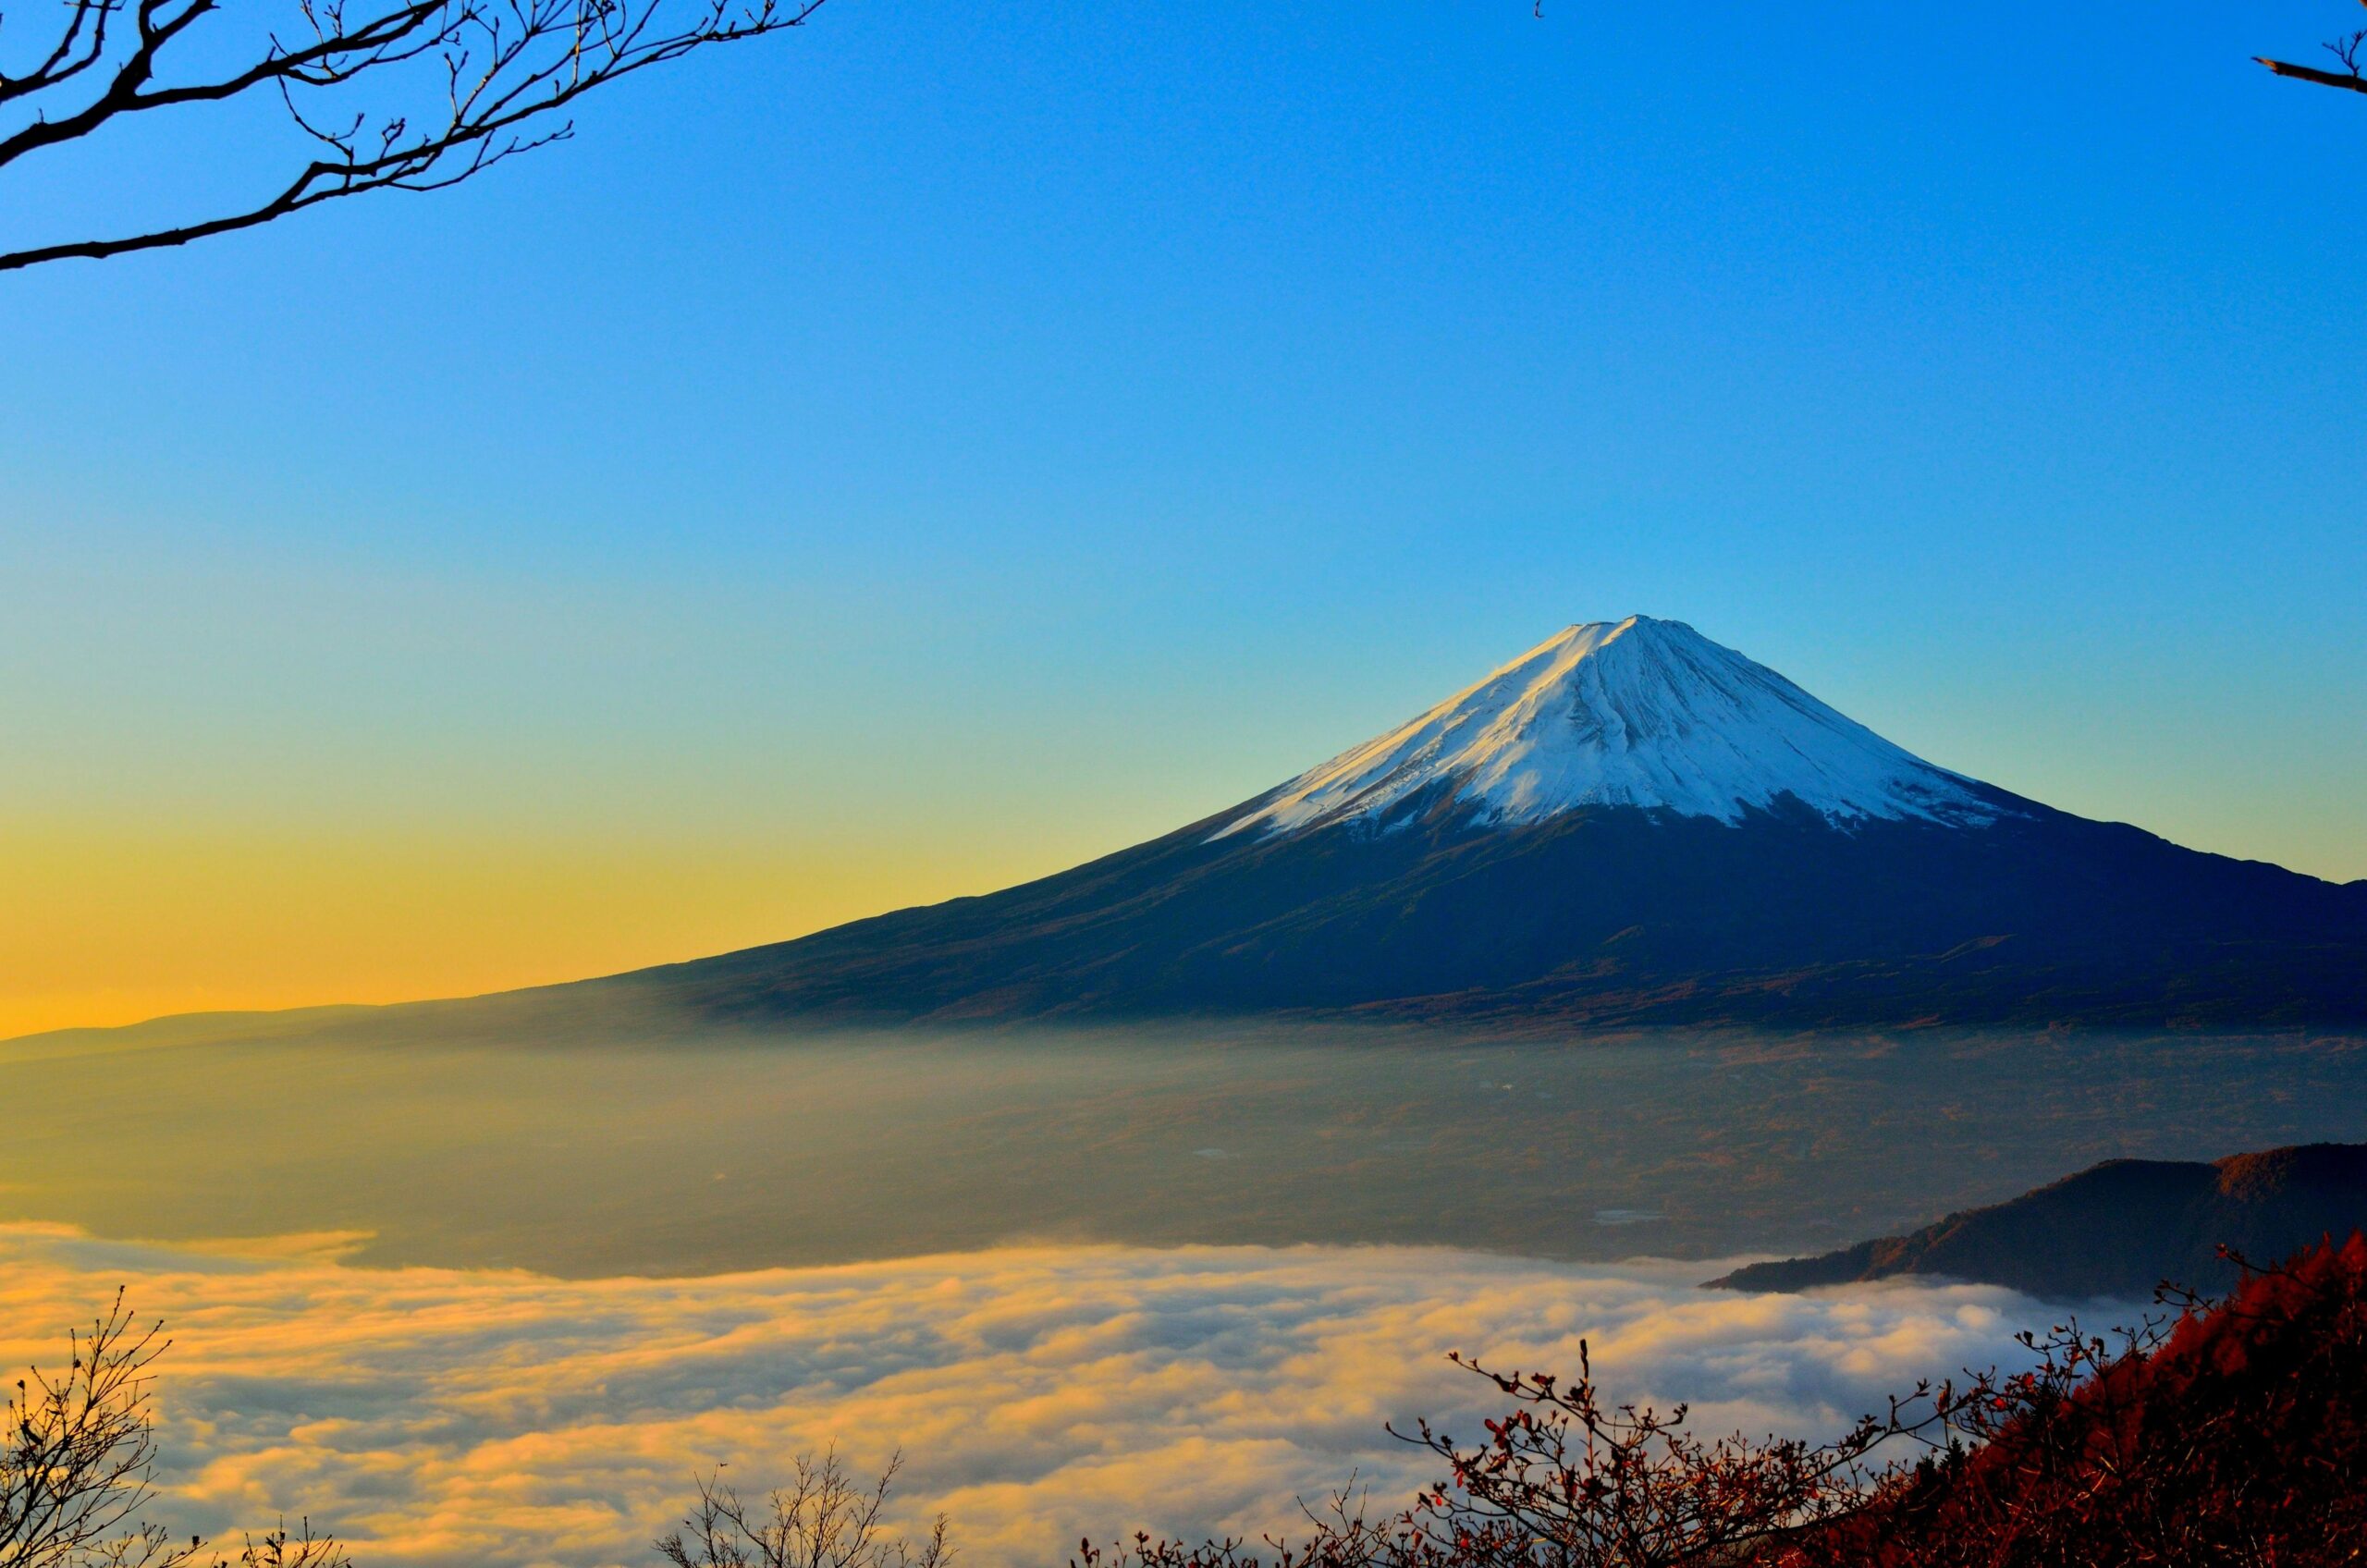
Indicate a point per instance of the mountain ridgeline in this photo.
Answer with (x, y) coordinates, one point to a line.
(1629, 824)
(2117, 1229)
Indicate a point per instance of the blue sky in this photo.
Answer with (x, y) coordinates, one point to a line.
(944, 443)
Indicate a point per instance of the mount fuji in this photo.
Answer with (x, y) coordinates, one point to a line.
(1628, 824)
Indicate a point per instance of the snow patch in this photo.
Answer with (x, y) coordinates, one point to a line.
(1633, 712)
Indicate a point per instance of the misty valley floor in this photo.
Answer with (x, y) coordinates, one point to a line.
(496, 1302)
(674, 1154)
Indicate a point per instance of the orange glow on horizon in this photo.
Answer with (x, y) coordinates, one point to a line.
(107, 925)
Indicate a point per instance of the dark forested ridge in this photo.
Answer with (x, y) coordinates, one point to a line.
(2117, 1229)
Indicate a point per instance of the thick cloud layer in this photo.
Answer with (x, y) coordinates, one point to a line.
(451, 1417)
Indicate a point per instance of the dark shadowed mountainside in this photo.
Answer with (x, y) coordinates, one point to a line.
(1628, 823)
(2117, 1229)
(1598, 915)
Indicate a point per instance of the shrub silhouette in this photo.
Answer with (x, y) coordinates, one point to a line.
(2234, 1433)
(2242, 1439)
(2230, 1433)
(824, 1518)
(77, 1458)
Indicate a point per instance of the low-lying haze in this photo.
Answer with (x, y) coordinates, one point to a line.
(488, 1286)
(647, 1149)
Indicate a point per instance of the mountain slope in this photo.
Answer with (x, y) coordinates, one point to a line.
(1630, 823)
(2116, 1229)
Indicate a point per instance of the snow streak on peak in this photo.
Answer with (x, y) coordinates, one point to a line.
(1631, 713)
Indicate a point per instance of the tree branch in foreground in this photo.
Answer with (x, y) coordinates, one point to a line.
(2344, 50)
(823, 1519)
(463, 85)
(78, 1462)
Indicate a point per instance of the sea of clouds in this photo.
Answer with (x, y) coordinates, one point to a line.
(484, 1418)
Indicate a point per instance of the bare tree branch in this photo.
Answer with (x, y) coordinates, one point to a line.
(824, 1519)
(2344, 50)
(477, 81)
(76, 1463)
(2352, 81)
(78, 1452)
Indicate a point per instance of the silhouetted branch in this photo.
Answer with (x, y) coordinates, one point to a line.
(2344, 50)
(478, 81)
(823, 1519)
(76, 1463)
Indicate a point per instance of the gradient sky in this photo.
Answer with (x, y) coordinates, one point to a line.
(926, 450)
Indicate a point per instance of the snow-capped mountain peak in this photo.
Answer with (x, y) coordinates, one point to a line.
(1631, 713)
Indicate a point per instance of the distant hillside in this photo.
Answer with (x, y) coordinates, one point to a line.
(2117, 1228)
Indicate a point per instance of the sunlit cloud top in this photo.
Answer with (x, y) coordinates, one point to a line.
(483, 1419)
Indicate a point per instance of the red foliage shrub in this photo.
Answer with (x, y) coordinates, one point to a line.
(2240, 1438)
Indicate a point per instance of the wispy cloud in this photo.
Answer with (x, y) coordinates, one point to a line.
(449, 1417)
